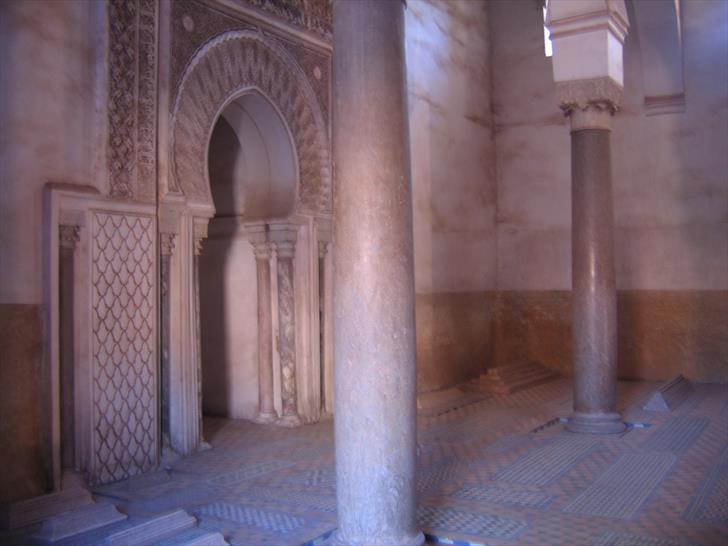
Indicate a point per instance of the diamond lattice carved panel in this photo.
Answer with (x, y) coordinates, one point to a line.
(124, 347)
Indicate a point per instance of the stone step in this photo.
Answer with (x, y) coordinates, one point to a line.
(80, 520)
(195, 537)
(512, 372)
(670, 395)
(526, 383)
(27, 512)
(154, 530)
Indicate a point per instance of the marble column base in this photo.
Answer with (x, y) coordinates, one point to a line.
(290, 421)
(412, 540)
(595, 423)
(266, 418)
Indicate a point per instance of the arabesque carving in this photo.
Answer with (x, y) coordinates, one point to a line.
(226, 67)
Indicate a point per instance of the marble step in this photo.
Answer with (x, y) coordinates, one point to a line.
(153, 530)
(515, 372)
(510, 379)
(670, 395)
(80, 520)
(195, 537)
(27, 512)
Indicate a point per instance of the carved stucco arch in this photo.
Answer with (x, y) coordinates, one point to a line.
(222, 69)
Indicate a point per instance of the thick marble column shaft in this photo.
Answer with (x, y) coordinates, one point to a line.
(373, 281)
(68, 236)
(266, 410)
(323, 247)
(285, 244)
(594, 301)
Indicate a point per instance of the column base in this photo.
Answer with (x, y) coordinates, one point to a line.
(595, 423)
(414, 540)
(290, 421)
(266, 418)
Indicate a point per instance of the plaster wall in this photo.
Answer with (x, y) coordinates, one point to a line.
(47, 83)
(447, 45)
(670, 200)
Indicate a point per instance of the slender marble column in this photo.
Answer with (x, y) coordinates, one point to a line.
(68, 236)
(374, 302)
(166, 246)
(284, 238)
(199, 235)
(594, 301)
(266, 410)
(323, 247)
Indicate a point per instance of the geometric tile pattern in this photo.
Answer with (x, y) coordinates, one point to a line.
(441, 472)
(318, 478)
(621, 490)
(314, 502)
(612, 538)
(677, 435)
(466, 522)
(124, 439)
(266, 519)
(542, 465)
(710, 502)
(248, 472)
(502, 495)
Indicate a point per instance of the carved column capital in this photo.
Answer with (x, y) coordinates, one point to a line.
(283, 238)
(261, 249)
(199, 234)
(323, 248)
(68, 236)
(166, 243)
(589, 103)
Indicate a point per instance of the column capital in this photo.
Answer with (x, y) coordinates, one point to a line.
(68, 236)
(166, 243)
(283, 238)
(589, 103)
(199, 234)
(261, 249)
(323, 248)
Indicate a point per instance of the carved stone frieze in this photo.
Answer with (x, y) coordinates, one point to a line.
(312, 15)
(132, 101)
(222, 69)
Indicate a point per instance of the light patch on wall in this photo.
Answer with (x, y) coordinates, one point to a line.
(547, 46)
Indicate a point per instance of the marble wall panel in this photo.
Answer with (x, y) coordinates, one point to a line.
(21, 402)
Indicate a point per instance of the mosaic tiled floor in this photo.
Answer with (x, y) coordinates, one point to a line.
(484, 476)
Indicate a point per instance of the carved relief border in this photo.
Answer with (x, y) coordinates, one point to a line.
(132, 99)
(223, 68)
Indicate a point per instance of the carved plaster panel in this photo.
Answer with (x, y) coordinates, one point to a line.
(221, 70)
(132, 101)
(124, 376)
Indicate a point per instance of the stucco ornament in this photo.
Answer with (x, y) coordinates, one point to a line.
(223, 69)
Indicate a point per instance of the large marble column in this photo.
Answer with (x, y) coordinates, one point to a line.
(588, 36)
(594, 296)
(266, 410)
(374, 303)
(284, 239)
(68, 236)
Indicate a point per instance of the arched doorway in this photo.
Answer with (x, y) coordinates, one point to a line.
(243, 78)
(253, 173)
